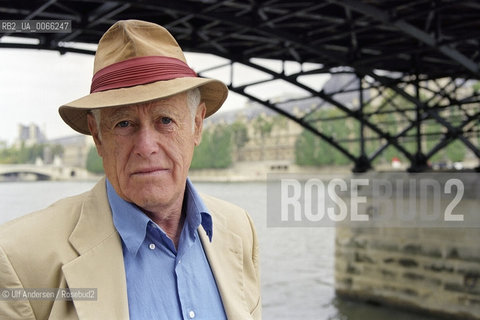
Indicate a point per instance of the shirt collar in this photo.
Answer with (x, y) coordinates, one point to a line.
(131, 223)
(197, 212)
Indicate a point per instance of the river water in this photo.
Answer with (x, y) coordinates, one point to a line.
(297, 264)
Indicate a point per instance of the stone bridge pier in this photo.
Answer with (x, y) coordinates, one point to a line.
(430, 265)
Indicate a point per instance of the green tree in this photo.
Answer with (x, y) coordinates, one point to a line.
(476, 86)
(94, 161)
(312, 150)
(8, 156)
(221, 147)
(263, 127)
(455, 151)
(26, 154)
(201, 154)
(215, 150)
(308, 150)
(240, 134)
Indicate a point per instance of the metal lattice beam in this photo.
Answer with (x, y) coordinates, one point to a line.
(401, 51)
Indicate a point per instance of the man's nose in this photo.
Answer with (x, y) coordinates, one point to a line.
(146, 141)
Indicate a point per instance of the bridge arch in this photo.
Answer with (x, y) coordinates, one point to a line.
(24, 175)
(44, 172)
(422, 52)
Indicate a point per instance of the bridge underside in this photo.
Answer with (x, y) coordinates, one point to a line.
(407, 70)
(21, 175)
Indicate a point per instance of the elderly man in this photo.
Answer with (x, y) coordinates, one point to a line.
(143, 238)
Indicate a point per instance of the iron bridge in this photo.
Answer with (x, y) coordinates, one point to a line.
(412, 66)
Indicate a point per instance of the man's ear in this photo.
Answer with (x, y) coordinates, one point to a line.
(200, 115)
(92, 126)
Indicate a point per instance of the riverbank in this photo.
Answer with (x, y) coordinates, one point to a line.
(259, 171)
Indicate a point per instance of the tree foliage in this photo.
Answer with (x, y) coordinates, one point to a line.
(263, 126)
(312, 150)
(476, 86)
(240, 134)
(215, 149)
(94, 161)
(24, 154)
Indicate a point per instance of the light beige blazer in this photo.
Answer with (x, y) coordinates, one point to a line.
(74, 244)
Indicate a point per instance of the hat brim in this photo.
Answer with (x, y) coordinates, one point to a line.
(213, 93)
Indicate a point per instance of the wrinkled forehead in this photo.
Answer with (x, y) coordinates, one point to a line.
(176, 104)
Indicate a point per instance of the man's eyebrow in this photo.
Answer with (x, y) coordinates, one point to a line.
(117, 113)
(158, 108)
(162, 110)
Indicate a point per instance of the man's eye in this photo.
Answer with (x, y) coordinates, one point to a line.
(166, 120)
(123, 124)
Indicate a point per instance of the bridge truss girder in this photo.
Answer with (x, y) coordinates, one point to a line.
(430, 49)
(425, 100)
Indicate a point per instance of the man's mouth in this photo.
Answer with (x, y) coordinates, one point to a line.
(149, 171)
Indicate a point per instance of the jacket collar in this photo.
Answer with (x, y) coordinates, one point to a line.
(100, 261)
(225, 255)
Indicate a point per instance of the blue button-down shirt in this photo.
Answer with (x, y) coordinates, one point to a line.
(163, 282)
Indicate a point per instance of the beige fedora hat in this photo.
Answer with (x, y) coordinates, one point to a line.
(138, 61)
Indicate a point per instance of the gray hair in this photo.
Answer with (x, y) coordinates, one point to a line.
(194, 98)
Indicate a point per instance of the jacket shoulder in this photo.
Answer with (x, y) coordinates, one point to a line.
(55, 222)
(41, 225)
(214, 203)
(233, 218)
(228, 212)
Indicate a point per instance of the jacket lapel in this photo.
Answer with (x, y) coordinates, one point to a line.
(225, 256)
(100, 262)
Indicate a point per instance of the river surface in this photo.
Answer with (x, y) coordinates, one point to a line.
(297, 264)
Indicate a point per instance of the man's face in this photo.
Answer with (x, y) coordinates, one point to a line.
(147, 149)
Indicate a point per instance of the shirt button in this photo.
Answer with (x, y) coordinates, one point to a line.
(191, 314)
(152, 246)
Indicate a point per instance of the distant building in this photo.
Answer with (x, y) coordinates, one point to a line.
(75, 149)
(276, 146)
(29, 135)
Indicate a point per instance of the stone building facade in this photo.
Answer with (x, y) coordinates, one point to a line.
(75, 149)
(28, 135)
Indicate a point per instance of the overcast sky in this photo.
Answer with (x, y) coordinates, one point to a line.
(34, 83)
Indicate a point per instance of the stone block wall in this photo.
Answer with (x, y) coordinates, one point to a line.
(437, 271)
(433, 270)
